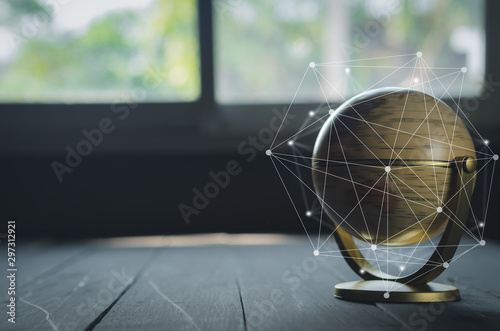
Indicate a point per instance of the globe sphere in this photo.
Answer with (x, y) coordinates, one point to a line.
(383, 165)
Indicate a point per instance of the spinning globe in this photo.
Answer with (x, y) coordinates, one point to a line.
(382, 165)
(395, 167)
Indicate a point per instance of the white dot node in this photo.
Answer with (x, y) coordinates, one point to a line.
(290, 143)
(386, 295)
(481, 224)
(402, 268)
(464, 69)
(268, 152)
(309, 213)
(347, 70)
(311, 113)
(486, 142)
(439, 209)
(482, 243)
(415, 80)
(361, 271)
(312, 65)
(446, 265)
(495, 157)
(373, 247)
(331, 111)
(387, 169)
(419, 54)
(316, 252)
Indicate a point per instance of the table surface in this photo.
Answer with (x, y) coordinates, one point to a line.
(225, 282)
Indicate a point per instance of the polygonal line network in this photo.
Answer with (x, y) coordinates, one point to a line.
(291, 156)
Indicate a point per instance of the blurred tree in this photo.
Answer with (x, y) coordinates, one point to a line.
(261, 44)
(108, 59)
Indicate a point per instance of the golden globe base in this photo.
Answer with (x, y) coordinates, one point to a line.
(377, 291)
(418, 286)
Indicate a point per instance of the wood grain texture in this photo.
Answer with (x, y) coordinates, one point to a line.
(287, 288)
(72, 296)
(39, 258)
(476, 276)
(228, 287)
(192, 288)
(376, 128)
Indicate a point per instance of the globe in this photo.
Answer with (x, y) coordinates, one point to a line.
(382, 165)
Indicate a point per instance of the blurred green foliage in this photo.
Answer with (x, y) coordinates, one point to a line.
(107, 60)
(264, 46)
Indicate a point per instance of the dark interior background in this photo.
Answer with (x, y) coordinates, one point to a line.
(126, 188)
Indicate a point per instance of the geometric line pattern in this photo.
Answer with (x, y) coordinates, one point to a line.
(291, 157)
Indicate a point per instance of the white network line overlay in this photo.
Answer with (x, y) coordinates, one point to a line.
(297, 163)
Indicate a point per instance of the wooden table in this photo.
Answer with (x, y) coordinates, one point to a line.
(225, 282)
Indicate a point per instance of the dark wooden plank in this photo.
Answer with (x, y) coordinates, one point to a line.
(477, 310)
(476, 276)
(287, 288)
(479, 267)
(71, 297)
(191, 288)
(233, 287)
(36, 259)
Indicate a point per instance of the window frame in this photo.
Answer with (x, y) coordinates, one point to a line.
(183, 127)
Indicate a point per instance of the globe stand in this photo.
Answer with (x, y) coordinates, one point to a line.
(377, 290)
(416, 287)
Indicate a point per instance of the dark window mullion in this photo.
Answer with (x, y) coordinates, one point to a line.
(205, 28)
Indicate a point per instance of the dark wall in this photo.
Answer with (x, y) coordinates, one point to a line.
(115, 196)
(140, 195)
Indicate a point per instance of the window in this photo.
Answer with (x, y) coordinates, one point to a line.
(95, 51)
(262, 47)
(224, 64)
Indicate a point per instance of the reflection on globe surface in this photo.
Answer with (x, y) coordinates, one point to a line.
(383, 165)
